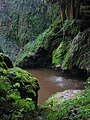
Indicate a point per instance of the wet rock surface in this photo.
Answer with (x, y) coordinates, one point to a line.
(80, 51)
(65, 95)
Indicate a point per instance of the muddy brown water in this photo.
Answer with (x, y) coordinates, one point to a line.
(51, 81)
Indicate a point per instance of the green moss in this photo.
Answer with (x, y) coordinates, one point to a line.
(14, 95)
(18, 92)
(2, 63)
(23, 78)
(73, 109)
(65, 64)
(70, 27)
(20, 74)
(4, 85)
(52, 32)
(61, 55)
(44, 40)
(3, 71)
(31, 48)
(26, 104)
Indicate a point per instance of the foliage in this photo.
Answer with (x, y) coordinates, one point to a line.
(45, 40)
(65, 64)
(18, 92)
(9, 47)
(2, 63)
(25, 20)
(50, 40)
(61, 55)
(67, 24)
(87, 83)
(81, 51)
(73, 109)
(70, 27)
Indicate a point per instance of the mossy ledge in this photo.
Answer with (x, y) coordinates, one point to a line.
(18, 92)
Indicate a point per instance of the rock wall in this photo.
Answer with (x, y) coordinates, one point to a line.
(80, 51)
(70, 52)
(39, 53)
(74, 9)
(1, 49)
(62, 45)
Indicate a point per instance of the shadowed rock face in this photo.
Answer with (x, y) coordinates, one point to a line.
(80, 51)
(8, 62)
(5, 59)
(39, 59)
(1, 50)
(74, 9)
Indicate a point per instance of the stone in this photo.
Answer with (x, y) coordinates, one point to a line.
(80, 51)
(1, 50)
(18, 91)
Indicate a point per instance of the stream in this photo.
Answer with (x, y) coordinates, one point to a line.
(51, 81)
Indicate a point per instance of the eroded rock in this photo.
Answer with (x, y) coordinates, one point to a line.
(80, 51)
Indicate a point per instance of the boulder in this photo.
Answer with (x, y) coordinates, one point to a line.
(18, 91)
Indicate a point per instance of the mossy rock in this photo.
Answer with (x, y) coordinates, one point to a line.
(34, 53)
(61, 55)
(80, 51)
(5, 62)
(18, 92)
(73, 109)
(24, 82)
(48, 41)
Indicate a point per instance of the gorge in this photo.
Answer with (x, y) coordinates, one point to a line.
(44, 49)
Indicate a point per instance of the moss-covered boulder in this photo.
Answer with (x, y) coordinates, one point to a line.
(18, 92)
